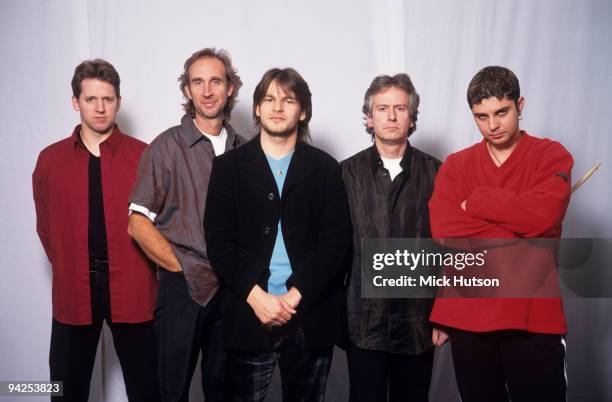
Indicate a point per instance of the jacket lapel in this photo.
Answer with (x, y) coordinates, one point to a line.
(253, 164)
(300, 168)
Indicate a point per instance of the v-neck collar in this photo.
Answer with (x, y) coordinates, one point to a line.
(513, 155)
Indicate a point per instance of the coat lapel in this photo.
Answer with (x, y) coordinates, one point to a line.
(300, 168)
(253, 164)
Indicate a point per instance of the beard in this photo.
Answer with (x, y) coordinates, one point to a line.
(278, 132)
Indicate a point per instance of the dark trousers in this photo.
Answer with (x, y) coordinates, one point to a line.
(377, 376)
(73, 351)
(303, 371)
(503, 365)
(184, 328)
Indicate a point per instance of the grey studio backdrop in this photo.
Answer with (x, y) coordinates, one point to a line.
(560, 49)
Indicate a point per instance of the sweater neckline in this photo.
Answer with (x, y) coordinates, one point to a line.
(511, 158)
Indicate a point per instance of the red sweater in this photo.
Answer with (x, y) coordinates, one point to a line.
(525, 197)
(61, 195)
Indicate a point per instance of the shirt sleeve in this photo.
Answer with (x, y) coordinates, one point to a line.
(42, 215)
(143, 210)
(448, 219)
(151, 186)
(535, 211)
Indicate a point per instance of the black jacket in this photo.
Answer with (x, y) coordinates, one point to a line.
(243, 208)
(381, 208)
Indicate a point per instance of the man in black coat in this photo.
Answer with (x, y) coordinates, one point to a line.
(278, 233)
(390, 353)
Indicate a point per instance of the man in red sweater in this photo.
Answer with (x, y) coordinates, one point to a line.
(510, 185)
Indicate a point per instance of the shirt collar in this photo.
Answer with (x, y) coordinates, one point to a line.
(194, 135)
(113, 141)
(377, 163)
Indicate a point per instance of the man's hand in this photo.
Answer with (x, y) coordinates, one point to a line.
(293, 297)
(152, 242)
(438, 337)
(270, 309)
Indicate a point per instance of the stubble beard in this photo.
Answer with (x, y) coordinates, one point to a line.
(279, 134)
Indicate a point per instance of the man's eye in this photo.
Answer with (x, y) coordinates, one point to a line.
(382, 108)
(401, 108)
(290, 101)
(502, 113)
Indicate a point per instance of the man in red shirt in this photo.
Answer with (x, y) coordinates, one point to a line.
(81, 186)
(511, 186)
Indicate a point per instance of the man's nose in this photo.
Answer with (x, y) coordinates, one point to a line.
(100, 106)
(493, 123)
(207, 90)
(277, 105)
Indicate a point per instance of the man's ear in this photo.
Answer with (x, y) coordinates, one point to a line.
(368, 119)
(187, 92)
(520, 103)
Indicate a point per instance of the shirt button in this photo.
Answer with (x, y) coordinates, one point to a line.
(267, 230)
(271, 196)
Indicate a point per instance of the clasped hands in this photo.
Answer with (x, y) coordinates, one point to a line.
(274, 310)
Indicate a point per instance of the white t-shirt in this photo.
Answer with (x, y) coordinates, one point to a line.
(218, 141)
(393, 166)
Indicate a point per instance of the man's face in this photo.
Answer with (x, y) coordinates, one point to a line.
(498, 120)
(279, 112)
(390, 117)
(98, 105)
(208, 87)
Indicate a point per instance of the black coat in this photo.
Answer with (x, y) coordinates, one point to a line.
(381, 208)
(243, 209)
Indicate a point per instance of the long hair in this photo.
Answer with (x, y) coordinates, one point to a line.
(230, 72)
(292, 82)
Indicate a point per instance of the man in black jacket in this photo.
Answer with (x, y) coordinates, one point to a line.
(390, 354)
(278, 233)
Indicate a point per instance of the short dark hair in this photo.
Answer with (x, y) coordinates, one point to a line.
(290, 81)
(99, 69)
(231, 74)
(384, 82)
(493, 81)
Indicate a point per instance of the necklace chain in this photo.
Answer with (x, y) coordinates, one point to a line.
(493, 154)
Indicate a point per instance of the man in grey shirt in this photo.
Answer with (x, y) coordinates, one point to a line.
(167, 210)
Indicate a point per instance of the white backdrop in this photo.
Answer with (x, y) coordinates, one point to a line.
(561, 51)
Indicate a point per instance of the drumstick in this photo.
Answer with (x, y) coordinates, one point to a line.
(585, 177)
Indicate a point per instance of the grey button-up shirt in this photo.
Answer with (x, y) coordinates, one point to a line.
(172, 182)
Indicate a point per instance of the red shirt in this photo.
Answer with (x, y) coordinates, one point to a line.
(525, 197)
(60, 184)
